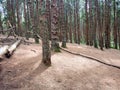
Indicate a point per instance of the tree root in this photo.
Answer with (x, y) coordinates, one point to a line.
(91, 58)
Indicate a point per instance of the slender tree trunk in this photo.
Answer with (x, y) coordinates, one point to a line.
(28, 20)
(75, 23)
(66, 23)
(115, 27)
(95, 27)
(59, 21)
(45, 44)
(18, 18)
(63, 24)
(1, 26)
(35, 23)
(99, 24)
(107, 23)
(46, 59)
(91, 22)
(54, 26)
(78, 21)
(87, 22)
(49, 17)
(25, 17)
(71, 27)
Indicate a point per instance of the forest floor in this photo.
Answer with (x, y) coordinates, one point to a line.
(24, 70)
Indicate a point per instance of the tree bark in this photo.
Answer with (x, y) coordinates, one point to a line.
(107, 23)
(75, 22)
(63, 24)
(54, 26)
(45, 38)
(87, 22)
(115, 26)
(18, 18)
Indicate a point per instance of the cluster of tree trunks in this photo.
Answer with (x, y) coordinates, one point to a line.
(96, 24)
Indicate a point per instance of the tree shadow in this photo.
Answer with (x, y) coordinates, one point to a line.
(20, 82)
(1, 59)
(40, 69)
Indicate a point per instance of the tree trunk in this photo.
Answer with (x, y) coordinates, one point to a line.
(75, 23)
(63, 24)
(45, 39)
(71, 27)
(78, 21)
(25, 17)
(1, 26)
(87, 22)
(12, 48)
(107, 24)
(54, 26)
(18, 18)
(49, 17)
(90, 22)
(99, 24)
(115, 27)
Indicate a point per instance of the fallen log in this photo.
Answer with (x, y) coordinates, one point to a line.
(12, 48)
(3, 50)
(6, 30)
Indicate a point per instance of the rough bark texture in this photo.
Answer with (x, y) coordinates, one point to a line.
(71, 27)
(25, 17)
(107, 23)
(99, 25)
(1, 26)
(75, 23)
(115, 26)
(54, 26)
(45, 45)
(87, 22)
(18, 18)
(90, 22)
(78, 21)
(63, 24)
(49, 17)
(46, 59)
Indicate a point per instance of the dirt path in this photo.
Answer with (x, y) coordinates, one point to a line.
(24, 71)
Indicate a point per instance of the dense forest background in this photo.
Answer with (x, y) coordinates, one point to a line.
(91, 22)
(59, 44)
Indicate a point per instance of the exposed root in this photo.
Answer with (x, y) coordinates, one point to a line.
(91, 58)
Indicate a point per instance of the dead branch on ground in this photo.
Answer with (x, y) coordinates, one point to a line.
(91, 58)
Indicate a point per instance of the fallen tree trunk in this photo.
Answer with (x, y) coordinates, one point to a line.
(6, 30)
(12, 48)
(3, 50)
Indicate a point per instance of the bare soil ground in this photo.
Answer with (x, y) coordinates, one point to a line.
(24, 70)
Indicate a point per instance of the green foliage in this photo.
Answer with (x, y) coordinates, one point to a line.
(36, 39)
(63, 45)
(57, 49)
(95, 44)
